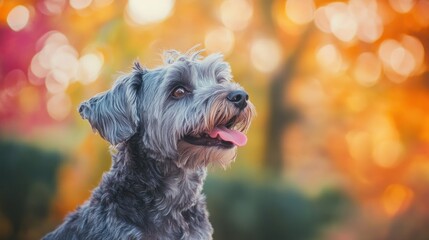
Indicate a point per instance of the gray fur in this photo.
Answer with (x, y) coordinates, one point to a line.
(153, 189)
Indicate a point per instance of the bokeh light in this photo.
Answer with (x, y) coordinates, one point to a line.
(370, 24)
(322, 19)
(300, 11)
(416, 49)
(396, 198)
(219, 40)
(387, 148)
(403, 58)
(89, 67)
(265, 54)
(102, 3)
(359, 145)
(56, 81)
(329, 58)
(347, 21)
(59, 106)
(145, 12)
(52, 7)
(18, 18)
(236, 14)
(368, 69)
(29, 99)
(80, 4)
(56, 61)
(343, 23)
(402, 6)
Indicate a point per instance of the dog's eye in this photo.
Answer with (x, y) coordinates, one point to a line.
(179, 92)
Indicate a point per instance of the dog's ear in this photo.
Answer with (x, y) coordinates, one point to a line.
(113, 114)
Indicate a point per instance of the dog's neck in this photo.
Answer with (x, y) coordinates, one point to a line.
(156, 184)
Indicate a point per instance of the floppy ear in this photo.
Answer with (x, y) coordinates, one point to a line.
(113, 114)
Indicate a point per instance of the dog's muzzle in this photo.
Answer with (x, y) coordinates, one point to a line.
(224, 135)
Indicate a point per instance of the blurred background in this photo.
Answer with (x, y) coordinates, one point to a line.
(339, 149)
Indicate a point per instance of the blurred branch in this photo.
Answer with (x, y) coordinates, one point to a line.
(282, 115)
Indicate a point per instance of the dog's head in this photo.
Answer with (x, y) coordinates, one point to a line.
(189, 110)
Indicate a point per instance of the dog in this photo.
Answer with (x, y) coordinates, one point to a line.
(167, 125)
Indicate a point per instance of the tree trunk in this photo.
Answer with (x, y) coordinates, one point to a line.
(282, 115)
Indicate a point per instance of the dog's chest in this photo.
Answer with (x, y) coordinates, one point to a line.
(183, 190)
(183, 208)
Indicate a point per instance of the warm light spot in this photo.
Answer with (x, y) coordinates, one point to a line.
(56, 62)
(398, 61)
(148, 11)
(387, 148)
(12, 84)
(57, 81)
(357, 102)
(29, 99)
(300, 11)
(385, 50)
(322, 19)
(220, 40)
(18, 18)
(265, 54)
(80, 4)
(283, 21)
(337, 18)
(89, 67)
(370, 24)
(367, 69)
(421, 13)
(387, 153)
(402, 6)
(359, 145)
(64, 58)
(54, 38)
(52, 7)
(344, 25)
(396, 198)
(402, 59)
(36, 67)
(415, 47)
(15, 78)
(59, 106)
(236, 14)
(102, 3)
(393, 76)
(358, 18)
(418, 170)
(329, 58)
(370, 29)
(50, 43)
(310, 94)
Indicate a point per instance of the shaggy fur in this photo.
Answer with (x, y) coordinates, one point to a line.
(153, 189)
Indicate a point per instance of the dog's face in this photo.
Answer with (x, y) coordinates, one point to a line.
(188, 111)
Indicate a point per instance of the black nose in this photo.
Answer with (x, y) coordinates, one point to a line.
(239, 98)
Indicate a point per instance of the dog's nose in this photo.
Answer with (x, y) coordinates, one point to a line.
(239, 98)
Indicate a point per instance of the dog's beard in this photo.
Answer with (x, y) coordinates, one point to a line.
(192, 156)
(216, 141)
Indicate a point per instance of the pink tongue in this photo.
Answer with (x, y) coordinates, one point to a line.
(236, 137)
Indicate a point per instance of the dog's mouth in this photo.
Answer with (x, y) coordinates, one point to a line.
(224, 136)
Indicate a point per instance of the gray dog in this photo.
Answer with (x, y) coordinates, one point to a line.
(167, 124)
